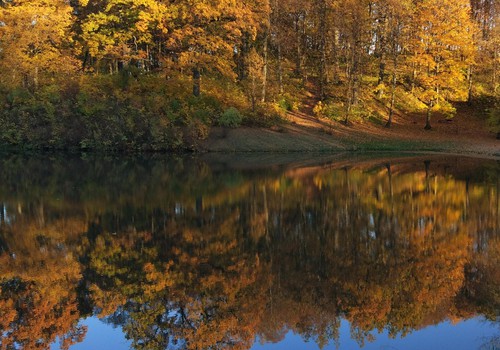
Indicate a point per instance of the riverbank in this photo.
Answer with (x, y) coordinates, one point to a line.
(465, 134)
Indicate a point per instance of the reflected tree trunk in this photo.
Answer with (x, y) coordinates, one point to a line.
(498, 201)
(41, 215)
(467, 199)
(427, 164)
(266, 212)
(2, 214)
(199, 205)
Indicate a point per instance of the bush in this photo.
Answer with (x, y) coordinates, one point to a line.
(194, 132)
(445, 108)
(115, 112)
(328, 110)
(288, 103)
(231, 118)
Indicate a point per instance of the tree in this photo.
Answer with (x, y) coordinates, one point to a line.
(204, 35)
(120, 32)
(353, 22)
(441, 50)
(35, 41)
(486, 13)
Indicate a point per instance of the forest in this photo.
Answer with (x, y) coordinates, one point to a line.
(159, 74)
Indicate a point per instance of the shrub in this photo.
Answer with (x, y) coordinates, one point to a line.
(288, 103)
(329, 110)
(445, 108)
(231, 118)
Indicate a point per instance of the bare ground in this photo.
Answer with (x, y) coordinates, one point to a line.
(465, 134)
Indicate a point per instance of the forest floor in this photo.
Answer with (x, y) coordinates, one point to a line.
(465, 134)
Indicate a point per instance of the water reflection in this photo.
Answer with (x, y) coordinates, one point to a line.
(182, 254)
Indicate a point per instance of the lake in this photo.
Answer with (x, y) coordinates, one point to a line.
(265, 252)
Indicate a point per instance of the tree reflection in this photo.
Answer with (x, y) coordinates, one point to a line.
(183, 256)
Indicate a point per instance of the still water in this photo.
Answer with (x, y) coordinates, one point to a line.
(249, 253)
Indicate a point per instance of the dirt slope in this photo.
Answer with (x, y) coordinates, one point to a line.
(466, 134)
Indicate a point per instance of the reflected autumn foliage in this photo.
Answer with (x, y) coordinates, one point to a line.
(184, 255)
(39, 275)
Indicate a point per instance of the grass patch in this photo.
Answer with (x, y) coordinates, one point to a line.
(402, 145)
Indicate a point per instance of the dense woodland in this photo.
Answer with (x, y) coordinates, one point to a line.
(157, 74)
(199, 258)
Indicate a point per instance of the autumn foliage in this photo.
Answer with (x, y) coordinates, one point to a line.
(156, 75)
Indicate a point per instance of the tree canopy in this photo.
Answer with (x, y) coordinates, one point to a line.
(258, 56)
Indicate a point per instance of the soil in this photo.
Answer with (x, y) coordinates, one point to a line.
(465, 134)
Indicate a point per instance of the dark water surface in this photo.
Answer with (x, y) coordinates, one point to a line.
(249, 252)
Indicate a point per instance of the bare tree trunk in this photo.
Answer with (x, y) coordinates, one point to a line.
(393, 89)
(322, 68)
(264, 70)
(35, 79)
(298, 33)
(352, 89)
(280, 68)
(428, 116)
(253, 93)
(494, 75)
(469, 80)
(413, 78)
(275, 19)
(381, 65)
(355, 76)
(85, 59)
(335, 58)
(393, 98)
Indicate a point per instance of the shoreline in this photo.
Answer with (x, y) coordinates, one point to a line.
(294, 140)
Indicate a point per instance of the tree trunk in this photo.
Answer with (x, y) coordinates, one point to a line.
(264, 69)
(393, 90)
(393, 98)
(298, 33)
(413, 78)
(469, 80)
(381, 65)
(494, 75)
(336, 64)
(348, 109)
(428, 117)
(158, 60)
(275, 14)
(322, 68)
(355, 80)
(85, 59)
(196, 82)
(35, 79)
(280, 68)
(253, 93)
